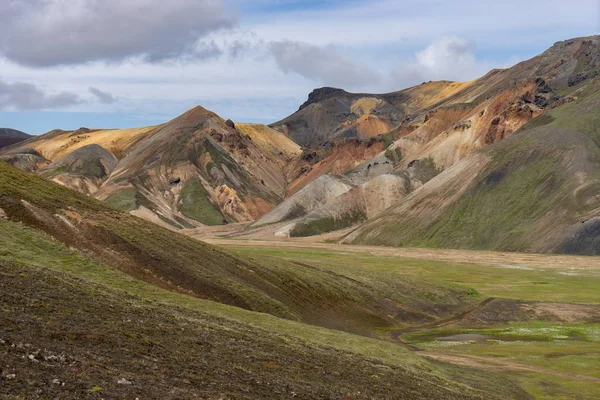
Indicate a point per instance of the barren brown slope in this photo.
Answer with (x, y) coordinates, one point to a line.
(337, 156)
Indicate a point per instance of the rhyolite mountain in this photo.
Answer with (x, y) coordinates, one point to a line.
(446, 173)
(195, 170)
(427, 165)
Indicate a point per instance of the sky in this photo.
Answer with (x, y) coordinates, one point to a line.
(116, 64)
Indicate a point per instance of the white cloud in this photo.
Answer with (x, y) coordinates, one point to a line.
(104, 97)
(449, 58)
(326, 65)
(26, 96)
(45, 33)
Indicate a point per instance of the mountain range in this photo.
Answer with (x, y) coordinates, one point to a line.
(507, 161)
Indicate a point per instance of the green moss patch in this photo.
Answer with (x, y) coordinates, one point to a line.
(195, 204)
(123, 200)
(324, 225)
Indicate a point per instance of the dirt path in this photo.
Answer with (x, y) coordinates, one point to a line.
(492, 363)
(513, 260)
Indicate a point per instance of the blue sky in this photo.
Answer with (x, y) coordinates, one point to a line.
(72, 63)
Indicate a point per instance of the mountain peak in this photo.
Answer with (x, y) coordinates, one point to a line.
(194, 117)
(197, 111)
(321, 94)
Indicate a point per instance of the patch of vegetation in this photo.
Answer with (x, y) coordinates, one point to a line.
(561, 349)
(461, 106)
(169, 222)
(327, 224)
(183, 222)
(195, 204)
(541, 120)
(394, 155)
(425, 170)
(210, 165)
(387, 139)
(296, 211)
(534, 331)
(582, 115)
(142, 200)
(123, 200)
(512, 282)
(128, 199)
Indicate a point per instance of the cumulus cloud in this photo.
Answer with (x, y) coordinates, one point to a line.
(26, 96)
(104, 97)
(326, 65)
(449, 58)
(44, 33)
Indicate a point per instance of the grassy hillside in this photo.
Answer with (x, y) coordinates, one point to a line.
(293, 290)
(75, 326)
(65, 334)
(542, 326)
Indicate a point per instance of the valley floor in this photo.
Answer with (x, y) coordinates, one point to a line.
(538, 321)
(507, 259)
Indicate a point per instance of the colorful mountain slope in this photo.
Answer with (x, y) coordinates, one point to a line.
(195, 170)
(536, 191)
(474, 115)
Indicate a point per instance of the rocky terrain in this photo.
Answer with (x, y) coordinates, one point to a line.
(535, 191)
